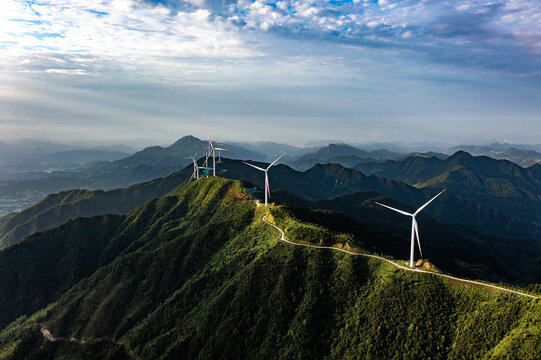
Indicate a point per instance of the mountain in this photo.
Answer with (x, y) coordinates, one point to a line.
(145, 165)
(197, 274)
(41, 165)
(332, 153)
(450, 246)
(272, 149)
(504, 186)
(183, 148)
(349, 156)
(320, 182)
(329, 180)
(58, 208)
(522, 156)
(21, 194)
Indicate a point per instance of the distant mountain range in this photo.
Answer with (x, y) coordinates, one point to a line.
(31, 169)
(349, 156)
(524, 157)
(197, 274)
(145, 165)
(504, 186)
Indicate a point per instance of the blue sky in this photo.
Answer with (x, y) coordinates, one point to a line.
(294, 71)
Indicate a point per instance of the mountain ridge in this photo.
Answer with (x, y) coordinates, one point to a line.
(199, 275)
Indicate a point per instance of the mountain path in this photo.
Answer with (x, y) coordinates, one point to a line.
(283, 238)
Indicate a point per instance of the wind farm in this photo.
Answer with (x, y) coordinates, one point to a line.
(198, 240)
(249, 180)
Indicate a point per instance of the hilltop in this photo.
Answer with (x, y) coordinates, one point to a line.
(197, 274)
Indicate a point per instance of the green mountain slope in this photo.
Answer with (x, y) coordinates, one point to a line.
(455, 248)
(197, 274)
(500, 184)
(330, 180)
(56, 209)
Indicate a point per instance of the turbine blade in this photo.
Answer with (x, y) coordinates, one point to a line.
(398, 211)
(274, 162)
(257, 167)
(422, 207)
(417, 233)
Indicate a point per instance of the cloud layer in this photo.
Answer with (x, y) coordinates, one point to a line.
(371, 64)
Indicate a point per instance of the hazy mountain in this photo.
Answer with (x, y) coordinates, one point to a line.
(177, 153)
(197, 274)
(500, 184)
(145, 165)
(522, 157)
(98, 177)
(332, 153)
(33, 152)
(349, 156)
(43, 165)
(272, 149)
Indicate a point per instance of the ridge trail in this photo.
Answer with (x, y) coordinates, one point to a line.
(283, 238)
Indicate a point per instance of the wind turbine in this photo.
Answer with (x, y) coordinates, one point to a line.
(267, 188)
(196, 168)
(212, 151)
(414, 226)
(195, 174)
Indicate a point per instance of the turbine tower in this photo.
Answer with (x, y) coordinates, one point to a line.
(414, 226)
(212, 150)
(267, 188)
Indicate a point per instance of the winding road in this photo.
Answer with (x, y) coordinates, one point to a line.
(283, 238)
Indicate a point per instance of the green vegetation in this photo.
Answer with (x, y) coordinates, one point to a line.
(56, 209)
(197, 274)
(499, 187)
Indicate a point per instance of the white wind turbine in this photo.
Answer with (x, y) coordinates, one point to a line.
(196, 168)
(195, 174)
(414, 226)
(267, 187)
(212, 151)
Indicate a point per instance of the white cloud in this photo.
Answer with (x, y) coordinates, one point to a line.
(116, 31)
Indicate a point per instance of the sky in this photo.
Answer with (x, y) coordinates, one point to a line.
(290, 71)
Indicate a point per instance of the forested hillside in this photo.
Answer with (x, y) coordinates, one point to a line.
(197, 274)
